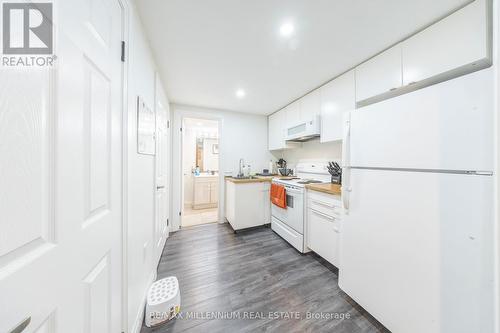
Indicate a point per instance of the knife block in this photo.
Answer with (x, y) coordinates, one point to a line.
(337, 179)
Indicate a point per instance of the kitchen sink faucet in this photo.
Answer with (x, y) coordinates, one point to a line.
(242, 164)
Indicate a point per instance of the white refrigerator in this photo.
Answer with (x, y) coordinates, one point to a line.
(416, 247)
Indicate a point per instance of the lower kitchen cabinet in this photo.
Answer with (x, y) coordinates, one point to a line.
(248, 204)
(323, 225)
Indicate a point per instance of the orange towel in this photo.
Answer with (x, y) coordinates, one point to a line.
(278, 195)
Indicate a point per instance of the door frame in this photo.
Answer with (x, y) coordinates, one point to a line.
(125, 74)
(179, 115)
(218, 120)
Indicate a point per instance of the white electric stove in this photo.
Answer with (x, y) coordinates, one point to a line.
(289, 223)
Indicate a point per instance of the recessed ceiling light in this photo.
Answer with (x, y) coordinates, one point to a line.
(240, 93)
(287, 29)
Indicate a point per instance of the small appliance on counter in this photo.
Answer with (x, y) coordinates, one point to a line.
(282, 169)
(336, 171)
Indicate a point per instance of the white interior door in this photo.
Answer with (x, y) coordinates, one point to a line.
(162, 172)
(60, 179)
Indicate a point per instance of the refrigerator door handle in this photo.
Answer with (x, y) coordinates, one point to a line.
(346, 149)
(346, 171)
(346, 189)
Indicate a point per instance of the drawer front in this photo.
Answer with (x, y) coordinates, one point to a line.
(325, 203)
(291, 236)
(323, 235)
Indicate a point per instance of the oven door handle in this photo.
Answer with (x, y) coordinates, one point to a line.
(294, 191)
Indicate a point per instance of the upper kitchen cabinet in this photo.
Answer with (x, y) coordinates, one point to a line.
(292, 114)
(379, 75)
(456, 45)
(337, 98)
(310, 105)
(276, 131)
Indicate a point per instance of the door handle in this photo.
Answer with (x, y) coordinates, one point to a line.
(21, 326)
(346, 149)
(345, 192)
(160, 187)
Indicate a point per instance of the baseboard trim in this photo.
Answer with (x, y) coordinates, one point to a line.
(140, 315)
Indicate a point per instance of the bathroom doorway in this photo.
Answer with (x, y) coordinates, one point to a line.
(200, 169)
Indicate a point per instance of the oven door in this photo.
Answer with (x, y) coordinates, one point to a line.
(293, 216)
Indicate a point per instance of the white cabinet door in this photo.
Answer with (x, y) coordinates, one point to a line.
(276, 133)
(323, 235)
(292, 114)
(266, 189)
(337, 98)
(460, 39)
(379, 75)
(310, 105)
(230, 201)
(201, 193)
(248, 202)
(214, 191)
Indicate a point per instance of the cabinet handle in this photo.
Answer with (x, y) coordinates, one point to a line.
(331, 218)
(392, 89)
(323, 204)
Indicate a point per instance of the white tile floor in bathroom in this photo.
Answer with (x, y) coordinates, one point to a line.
(192, 217)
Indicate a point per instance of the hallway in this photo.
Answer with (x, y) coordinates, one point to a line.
(253, 272)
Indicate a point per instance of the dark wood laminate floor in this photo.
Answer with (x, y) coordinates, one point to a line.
(254, 272)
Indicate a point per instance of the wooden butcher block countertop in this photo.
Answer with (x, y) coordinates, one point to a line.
(256, 179)
(249, 180)
(333, 189)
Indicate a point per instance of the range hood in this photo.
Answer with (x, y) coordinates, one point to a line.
(304, 131)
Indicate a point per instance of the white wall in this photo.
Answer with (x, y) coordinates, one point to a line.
(140, 178)
(240, 136)
(312, 151)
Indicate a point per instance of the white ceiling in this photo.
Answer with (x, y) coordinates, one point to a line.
(208, 49)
